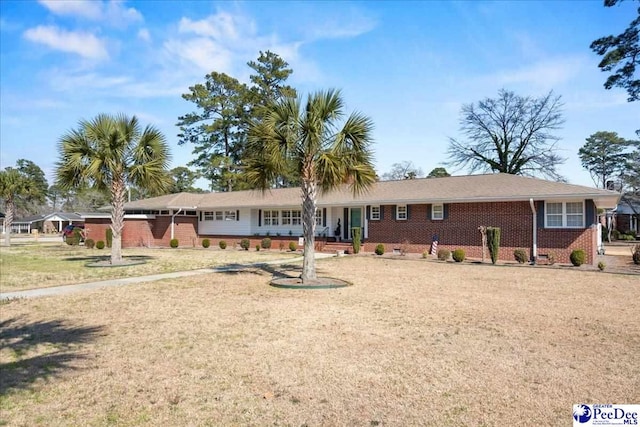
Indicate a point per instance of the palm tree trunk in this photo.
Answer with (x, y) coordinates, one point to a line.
(309, 194)
(117, 218)
(8, 220)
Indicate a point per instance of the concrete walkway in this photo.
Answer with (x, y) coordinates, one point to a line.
(68, 289)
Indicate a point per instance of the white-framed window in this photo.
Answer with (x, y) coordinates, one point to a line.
(229, 215)
(296, 217)
(401, 212)
(286, 217)
(271, 217)
(319, 217)
(208, 216)
(219, 216)
(437, 212)
(564, 214)
(375, 213)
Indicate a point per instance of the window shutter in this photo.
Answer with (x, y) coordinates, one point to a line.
(394, 215)
(259, 217)
(445, 209)
(408, 212)
(381, 212)
(540, 213)
(345, 224)
(590, 213)
(428, 212)
(367, 215)
(200, 215)
(238, 215)
(324, 217)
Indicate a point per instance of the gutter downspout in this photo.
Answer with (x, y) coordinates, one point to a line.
(535, 231)
(172, 221)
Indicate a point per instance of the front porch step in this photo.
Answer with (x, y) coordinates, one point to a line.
(332, 247)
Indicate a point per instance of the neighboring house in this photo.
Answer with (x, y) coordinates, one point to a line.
(626, 217)
(407, 213)
(46, 223)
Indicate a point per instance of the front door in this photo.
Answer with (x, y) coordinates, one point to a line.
(355, 220)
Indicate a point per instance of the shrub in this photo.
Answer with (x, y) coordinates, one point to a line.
(75, 238)
(425, 254)
(627, 237)
(100, 244)
(578, 257)
(379, 249)
(520, 255)
(206, 243)
(356, 239)
(635, 254)
(615, 234)
(244, 244)
(222, 244)
(443, 254)
(601, 265)
(109, 233)
(266, 243)
(551, 258)
(173, 243)
(631, 233)
(293, 246)
(257, 248)
(458, 255)
(493, 241)
(89, 243)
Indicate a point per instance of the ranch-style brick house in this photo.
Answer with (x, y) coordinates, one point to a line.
(543, 217)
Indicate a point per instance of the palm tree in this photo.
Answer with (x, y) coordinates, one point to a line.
(109, 153)
(325, 155)
(13, 184)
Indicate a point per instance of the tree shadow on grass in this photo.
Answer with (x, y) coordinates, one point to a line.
(96, 258)
(280, 271)
(38, 350)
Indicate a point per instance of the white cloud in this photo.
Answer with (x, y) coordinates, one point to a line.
(84, 44)
(144, 35)
(112, 12)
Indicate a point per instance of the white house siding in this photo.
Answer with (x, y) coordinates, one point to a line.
(240, 227)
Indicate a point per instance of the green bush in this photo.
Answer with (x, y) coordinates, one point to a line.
(443, 254)
(293, 246)
(100, 244)
(635, 251)
(356, 231)
(245, 243)
(578, 257)
(615, 234)
(379, 249)
(493, 241)
(626, 237)
(266, 243)
(425, 254)
(109, 233)
(257, 248)
(206, 243)
(520, 255)
(173, 243)
(222, 244)
(458, 255)
(631, 233)
(601, 265)
(89, 243)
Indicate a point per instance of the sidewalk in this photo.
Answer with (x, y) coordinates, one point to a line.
(68, 289)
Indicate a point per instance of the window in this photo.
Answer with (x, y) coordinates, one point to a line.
(291, 217)
(437, 212)
(401, 212)
(271, 217)
(564, 215)
(229, 215)
(219, 216)
(375, 213)
(319, 217)
(208, 216)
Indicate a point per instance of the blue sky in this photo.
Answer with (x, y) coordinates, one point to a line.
(410, 66)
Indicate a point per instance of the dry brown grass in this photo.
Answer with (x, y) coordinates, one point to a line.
(411, 343)
(44, 265)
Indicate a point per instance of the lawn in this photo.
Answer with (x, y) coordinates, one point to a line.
(44, 265)
(412, 342)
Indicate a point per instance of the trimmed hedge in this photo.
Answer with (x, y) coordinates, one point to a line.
(443, 254)
(520, 255)
(379, 249)
(206, 243)
(173, 243)
(89, 243)
(293, 246)
(458, 255)
(109, 234)
(266, 243)
(222, 244)
(578, 257)
(493, 241)
(100, 244)
(245, 243)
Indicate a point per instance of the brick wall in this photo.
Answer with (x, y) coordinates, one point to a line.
(460, 230)
(148, 232)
